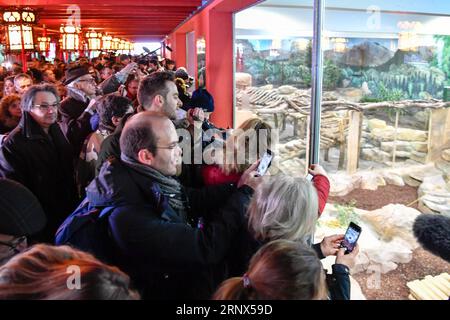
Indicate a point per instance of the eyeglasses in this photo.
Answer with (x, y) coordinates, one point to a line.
(171, 147)
(45, 107)
(87, 80)
(14, 243)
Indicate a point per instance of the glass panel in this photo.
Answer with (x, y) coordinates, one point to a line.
(377, 53)
(273, 74)
(386, 67)
(385, 131)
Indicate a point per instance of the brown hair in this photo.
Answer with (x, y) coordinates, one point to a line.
(152, 85)
(280, 270)
(5, 103)
(43, 273)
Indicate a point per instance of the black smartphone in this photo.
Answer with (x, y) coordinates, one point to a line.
(351, 237)
(265, 163)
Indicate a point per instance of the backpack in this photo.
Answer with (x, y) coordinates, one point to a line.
(87, 229)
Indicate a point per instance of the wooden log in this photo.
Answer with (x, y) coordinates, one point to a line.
(436, 292)
(406, 104)
(438, 133)
(353, 141)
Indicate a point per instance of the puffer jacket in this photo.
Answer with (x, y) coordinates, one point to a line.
(166, 256)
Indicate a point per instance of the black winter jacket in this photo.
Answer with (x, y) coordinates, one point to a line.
(166, 256)
(74, 122)
(42, 163)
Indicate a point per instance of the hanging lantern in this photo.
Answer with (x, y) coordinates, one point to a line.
(19, 22)
(106, 42)
(43, 44)
(115, 44)
(94, 40)
(127, 46)
(70, 37)
(122, 45)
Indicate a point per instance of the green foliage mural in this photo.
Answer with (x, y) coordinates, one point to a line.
(401, 77)
(444, 62)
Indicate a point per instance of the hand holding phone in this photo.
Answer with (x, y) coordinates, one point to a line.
(351, 237)
(317, 169)
(265, 163)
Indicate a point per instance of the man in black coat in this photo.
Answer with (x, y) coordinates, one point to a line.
(78, 107)
(37, 154)
(153, 225)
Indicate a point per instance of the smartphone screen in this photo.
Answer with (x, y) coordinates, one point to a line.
(266, 160)
(351, 237)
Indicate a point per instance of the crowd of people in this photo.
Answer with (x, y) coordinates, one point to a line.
(93, 177)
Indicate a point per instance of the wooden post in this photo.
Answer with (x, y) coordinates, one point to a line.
(394, 150)
(438, 133)
(342, 145)
(295, 124)
(353, 141)
(283, 115)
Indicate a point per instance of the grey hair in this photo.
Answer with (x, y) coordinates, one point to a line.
(28, 98)
(283, 207)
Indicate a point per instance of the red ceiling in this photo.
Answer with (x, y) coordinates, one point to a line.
(135, 20)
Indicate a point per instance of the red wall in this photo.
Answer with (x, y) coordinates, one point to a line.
(215, 24)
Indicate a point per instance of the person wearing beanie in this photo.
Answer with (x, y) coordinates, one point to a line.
(183, 74)
(21, 217)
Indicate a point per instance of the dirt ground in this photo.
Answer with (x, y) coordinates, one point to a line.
(371, 200)
(393, 284)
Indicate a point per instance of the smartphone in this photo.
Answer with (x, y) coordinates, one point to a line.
(265, 163)
(351, 237)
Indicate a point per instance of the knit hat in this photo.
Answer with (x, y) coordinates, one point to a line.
(74, 73)
(182, 73)
(201, 98)
(21, 213)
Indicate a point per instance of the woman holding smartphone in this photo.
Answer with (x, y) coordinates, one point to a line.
(286, 207)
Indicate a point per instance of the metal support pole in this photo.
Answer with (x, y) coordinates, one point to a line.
(316, 83)
(23, 54)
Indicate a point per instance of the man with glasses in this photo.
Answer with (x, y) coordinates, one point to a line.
(152, 224)
(77, 109)
(37, 154)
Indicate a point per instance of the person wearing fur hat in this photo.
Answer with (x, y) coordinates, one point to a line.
(21, 217)
(433, 233)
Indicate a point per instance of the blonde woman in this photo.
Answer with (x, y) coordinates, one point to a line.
(244, 146)
(286, 207)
